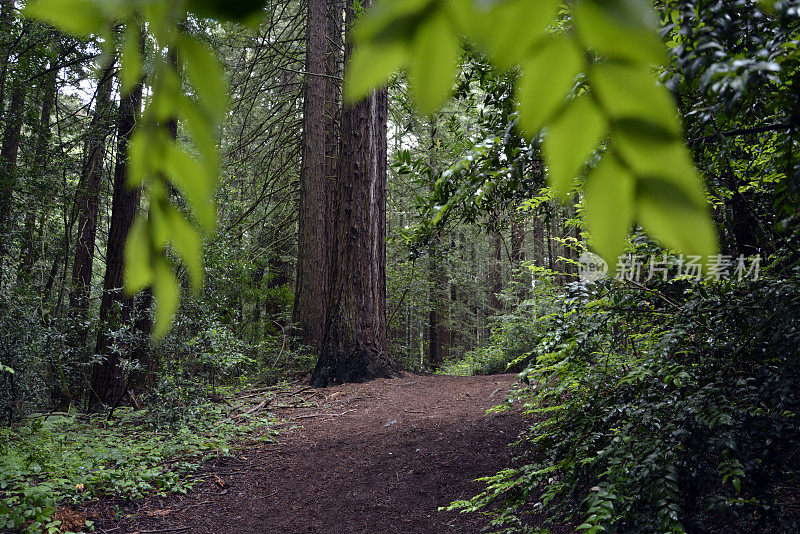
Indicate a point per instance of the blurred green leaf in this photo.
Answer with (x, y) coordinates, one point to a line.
(674, 219)
(547, 77)
(370, 67)
(79, 17)
(609, 207)
(138, 267)
(510, 27)
(570, 141)
(206, 76)
(167, 294)
(194, 181)
(432, 72)
(617, 33)
(631, 92)
(236, 11)
(130, 72)
(188, 245)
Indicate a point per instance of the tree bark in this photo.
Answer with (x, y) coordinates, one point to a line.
(88, 200)
(116, 308)
(314, 224)
(354, 345)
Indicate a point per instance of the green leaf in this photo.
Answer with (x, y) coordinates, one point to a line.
(570, 141)
(620, 33)
(139, 159)
(433, 63)
(138, 268)
(188, 245)
(631, 92)
(609, 197)
(548, 75)
(167, 293)
(653, 152)
(195, 181)
(370, 67)
(131, 66)
(511, 27)
(206, 76)
(674, 219)
(78, 17)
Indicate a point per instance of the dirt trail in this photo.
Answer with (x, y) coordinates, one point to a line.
(379, 457)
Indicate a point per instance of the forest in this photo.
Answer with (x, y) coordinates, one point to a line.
(418, 266)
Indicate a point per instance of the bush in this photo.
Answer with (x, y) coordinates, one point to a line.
(669, 410)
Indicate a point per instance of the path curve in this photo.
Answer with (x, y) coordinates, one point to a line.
(379, 457)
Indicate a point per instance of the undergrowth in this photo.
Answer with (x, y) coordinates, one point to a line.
(66, 458)
(672, 408)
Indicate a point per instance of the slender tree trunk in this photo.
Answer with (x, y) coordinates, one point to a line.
(116, 308)
(8, 155)
(354, 347)
(495, 270)
(40, 168)
(521, 275)
(314, 225)
(88, 202)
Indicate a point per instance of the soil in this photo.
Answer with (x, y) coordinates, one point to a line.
(378, 457)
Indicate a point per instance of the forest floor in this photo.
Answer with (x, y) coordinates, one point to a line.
(379, 457)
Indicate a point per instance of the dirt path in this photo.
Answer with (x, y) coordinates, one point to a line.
(371, 458)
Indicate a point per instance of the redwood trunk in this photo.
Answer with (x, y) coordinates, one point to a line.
(314, 225)
(354, 347)
(88, 198)
(116, 307)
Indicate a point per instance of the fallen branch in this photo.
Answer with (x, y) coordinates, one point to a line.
(323, 415)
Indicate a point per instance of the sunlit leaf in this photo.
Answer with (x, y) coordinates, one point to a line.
(609, 207)
(547, 77)
(79, 17)
(570, 141)
(433, 62)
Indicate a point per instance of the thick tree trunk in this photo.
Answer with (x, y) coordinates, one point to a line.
(354, 347)
(88, 199)
(116, 308)
(314, 225)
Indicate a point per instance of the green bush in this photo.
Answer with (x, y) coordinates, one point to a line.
(668, 410)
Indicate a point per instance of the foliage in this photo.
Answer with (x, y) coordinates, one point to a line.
(60, 459)
(671, 410)
(158, 162)
(585, 77)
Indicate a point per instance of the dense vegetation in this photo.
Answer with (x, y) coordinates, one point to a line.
(268, 224)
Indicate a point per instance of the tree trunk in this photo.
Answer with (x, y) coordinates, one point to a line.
(495, 270)
(521, 274)
(88, 199)
(116, 308)
(354, 345)
(314, 224)
(49, 89)
(8, 156)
